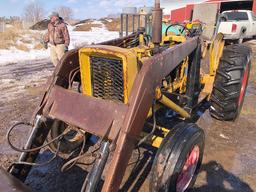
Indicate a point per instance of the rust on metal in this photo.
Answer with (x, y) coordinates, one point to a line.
(157, 24)
(69, 62)
(9, 183)
(96, 116)
(91, 114)
(140, 100)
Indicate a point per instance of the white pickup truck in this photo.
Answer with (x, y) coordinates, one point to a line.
(237, 25)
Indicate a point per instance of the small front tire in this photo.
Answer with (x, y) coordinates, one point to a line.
(178, 159)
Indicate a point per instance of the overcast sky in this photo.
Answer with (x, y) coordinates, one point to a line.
(86, 8)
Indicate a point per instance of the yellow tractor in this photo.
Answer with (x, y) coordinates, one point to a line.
(108, 99)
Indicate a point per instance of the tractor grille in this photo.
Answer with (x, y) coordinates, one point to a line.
(107, 78)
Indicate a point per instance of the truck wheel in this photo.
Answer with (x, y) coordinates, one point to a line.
(230, 83)
(70, 142)
(178, 159)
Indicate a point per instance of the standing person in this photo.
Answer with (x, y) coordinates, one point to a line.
(57, 37)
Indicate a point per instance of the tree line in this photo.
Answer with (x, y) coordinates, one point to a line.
(34, 12)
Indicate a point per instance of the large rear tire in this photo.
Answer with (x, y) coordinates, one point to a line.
(178, 159)
(230, 83)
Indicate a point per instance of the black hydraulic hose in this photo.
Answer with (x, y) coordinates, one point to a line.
(68, 165)
(184, 28)
(28, 150)
(38, 164)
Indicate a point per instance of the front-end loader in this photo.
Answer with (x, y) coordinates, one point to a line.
(105, 100)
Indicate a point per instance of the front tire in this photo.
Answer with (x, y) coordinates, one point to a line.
(178, 159)
(230, 83)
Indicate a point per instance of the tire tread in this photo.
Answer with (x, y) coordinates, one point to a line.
(226, 88)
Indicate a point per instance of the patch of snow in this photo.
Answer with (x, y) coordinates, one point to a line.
(109, 20)
(75, 25)
(14, 56)
(96, 35)
(77, 39)
(8, 26)
(97, 22)
(223, 136)
(71, 28)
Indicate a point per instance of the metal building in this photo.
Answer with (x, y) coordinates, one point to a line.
(185, 13)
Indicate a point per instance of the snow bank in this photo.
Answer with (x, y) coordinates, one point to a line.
(96, 35)
(15, 56)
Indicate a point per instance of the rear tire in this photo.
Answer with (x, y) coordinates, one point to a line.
(178, 159)
(230, 83)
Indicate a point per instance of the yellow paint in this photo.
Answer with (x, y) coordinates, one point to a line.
(142, 50)
(215, 53)
(189, 25)
(170, 104)
(173, 39)
(180, 83)
(158, 93)
(207, 80)
(150, 113)
(204, 49)
(128, 57)
(156, 140)
(141, 40)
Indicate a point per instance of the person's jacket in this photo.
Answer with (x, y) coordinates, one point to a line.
(57, 33)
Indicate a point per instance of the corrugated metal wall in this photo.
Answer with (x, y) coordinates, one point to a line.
(184, 13)
(181, 14)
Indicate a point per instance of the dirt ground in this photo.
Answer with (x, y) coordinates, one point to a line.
(229, 163)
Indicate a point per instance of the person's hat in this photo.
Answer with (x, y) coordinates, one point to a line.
(54, 14)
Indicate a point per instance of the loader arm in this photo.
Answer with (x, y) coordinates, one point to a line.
(140, 100)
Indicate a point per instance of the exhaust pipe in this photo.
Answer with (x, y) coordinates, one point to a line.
(157, 24)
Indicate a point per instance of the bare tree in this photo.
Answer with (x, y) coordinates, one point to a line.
(65, 12)
(34, 12)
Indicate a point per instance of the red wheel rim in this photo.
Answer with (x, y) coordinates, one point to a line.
(243, 87)
(188, 170)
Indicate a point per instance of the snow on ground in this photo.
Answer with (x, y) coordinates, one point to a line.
(96, 35)
(20, 70)
(14, 55)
